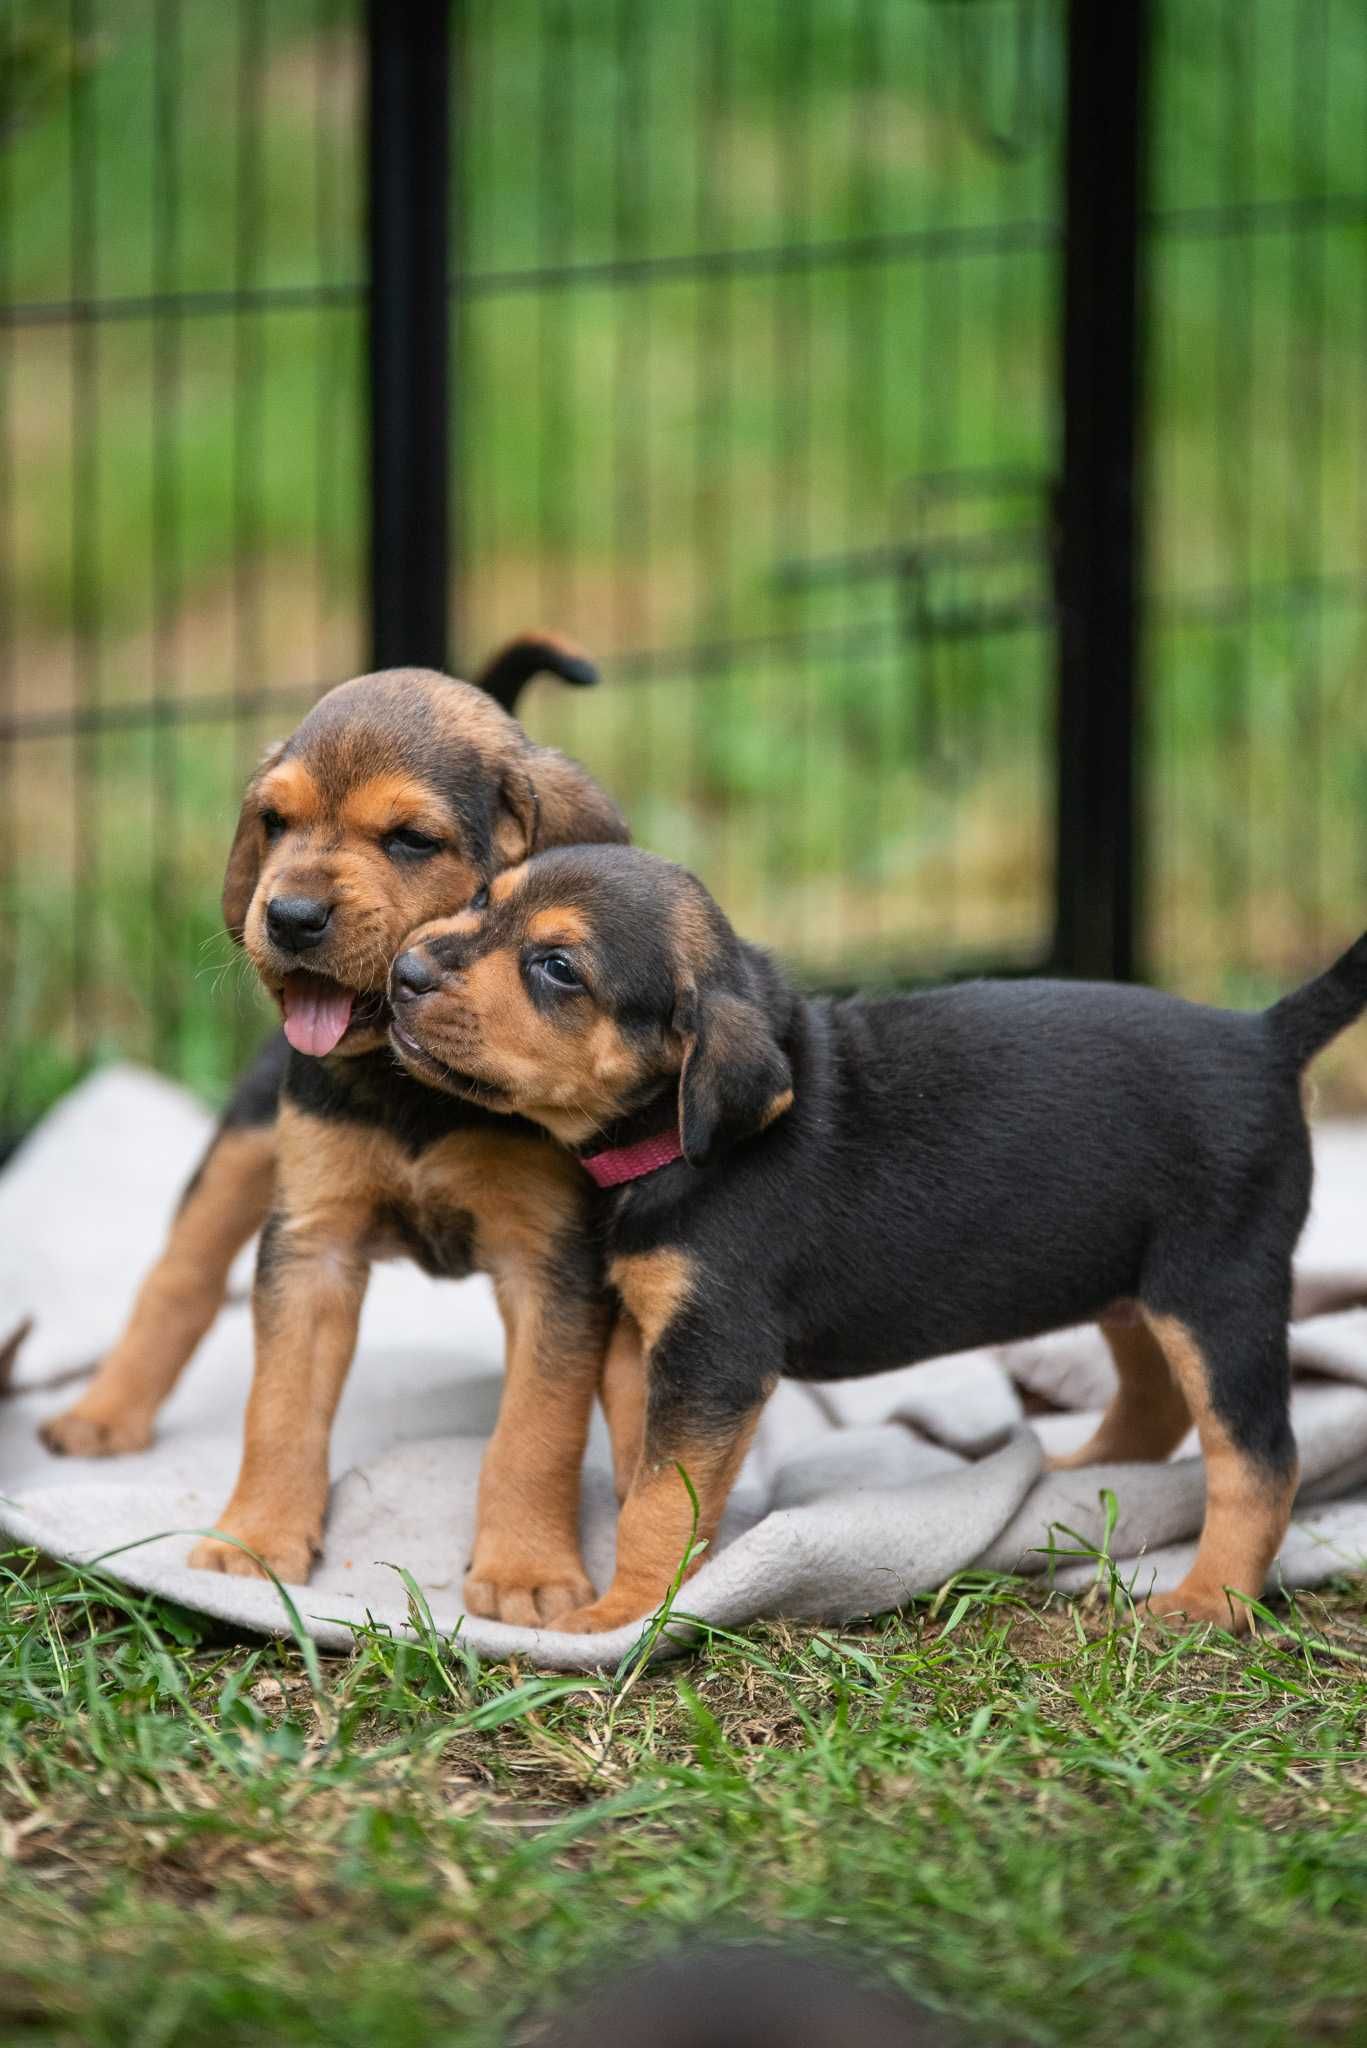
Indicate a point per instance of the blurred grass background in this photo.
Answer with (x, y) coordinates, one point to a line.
(708, 467)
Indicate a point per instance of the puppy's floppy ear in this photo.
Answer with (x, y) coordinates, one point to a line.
(735, 1077)
(545, 799)
(533, 654)
(244, 856)
(573, 810)
(517, 823)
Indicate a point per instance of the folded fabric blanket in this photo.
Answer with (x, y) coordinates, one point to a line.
(855, 1496)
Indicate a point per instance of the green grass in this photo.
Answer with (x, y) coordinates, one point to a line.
(1027, 1813)
(637, 462)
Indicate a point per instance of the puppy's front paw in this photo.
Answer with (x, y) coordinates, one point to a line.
(287, 1553)
(87, 1431)
(614, 1610)
(1195, 1604)
(531, 1593)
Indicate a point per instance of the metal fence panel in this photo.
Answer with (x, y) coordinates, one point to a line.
(755, 363)
(181, 493)
(1257, 465)
(759, 312)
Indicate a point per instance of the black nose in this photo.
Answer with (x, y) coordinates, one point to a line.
(297, 923)
(411, 976)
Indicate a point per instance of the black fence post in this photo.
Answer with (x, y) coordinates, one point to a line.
(409, 148)
(1097, 885)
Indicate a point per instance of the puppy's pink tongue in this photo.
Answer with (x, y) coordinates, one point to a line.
(316, 1013)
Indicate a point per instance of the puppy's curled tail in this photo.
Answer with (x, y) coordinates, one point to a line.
(1304, 1022)
(533, 654)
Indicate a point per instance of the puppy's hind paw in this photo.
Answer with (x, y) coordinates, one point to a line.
(1198, 1604)
(76, 1435)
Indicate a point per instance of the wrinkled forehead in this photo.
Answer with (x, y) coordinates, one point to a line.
(566, 884)
(638, 918)
(380, 747)
(524, 905)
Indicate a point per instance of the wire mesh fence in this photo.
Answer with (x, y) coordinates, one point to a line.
(1257, 475)
(758, 394)
(755, 390)
(182, 492)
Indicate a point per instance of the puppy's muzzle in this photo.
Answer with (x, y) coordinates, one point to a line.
(411, 976)
(296, 924)
(416, 1031)
(422, 970)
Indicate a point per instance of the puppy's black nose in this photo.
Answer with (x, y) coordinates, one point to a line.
(412, 976)
(297, 923)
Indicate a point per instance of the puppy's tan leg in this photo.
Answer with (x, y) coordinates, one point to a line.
(1148, 1415)
(306, 1305)
(224, 1205)
(623, 1394)
(526, 1566)
(1248, 1500)
(657, 1517)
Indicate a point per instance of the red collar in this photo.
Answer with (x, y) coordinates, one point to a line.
(629, 1162)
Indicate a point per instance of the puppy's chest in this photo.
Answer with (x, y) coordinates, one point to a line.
(439, 1238)
(424, 1209)
(464, 1205)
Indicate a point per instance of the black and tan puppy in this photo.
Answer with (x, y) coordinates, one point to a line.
(399, 796)
(831, 1188)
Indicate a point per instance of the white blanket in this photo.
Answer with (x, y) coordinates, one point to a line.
(854, 1497)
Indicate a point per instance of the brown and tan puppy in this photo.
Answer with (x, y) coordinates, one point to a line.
(399, 796)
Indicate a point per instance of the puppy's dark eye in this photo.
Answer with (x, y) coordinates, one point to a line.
(480, 899)
(272, 824)
(406, 844)
(558, 970)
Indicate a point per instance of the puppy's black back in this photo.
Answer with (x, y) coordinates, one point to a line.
(1079, 1133)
